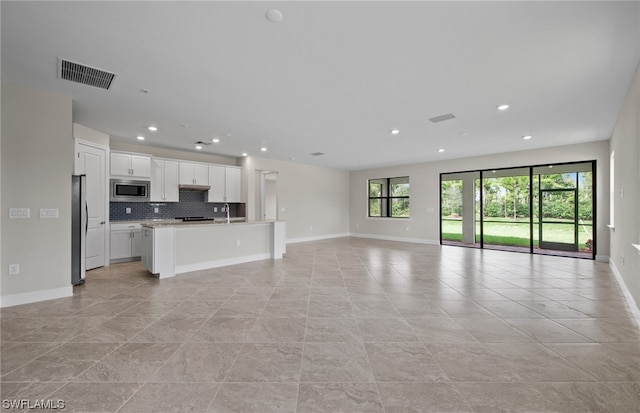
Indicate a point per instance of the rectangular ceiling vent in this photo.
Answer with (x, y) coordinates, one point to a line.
(317, 154)
(442, 118)
(86, 75)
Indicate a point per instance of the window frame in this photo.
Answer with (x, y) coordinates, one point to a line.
(386, 198)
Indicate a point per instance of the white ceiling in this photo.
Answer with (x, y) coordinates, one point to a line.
(336, 77)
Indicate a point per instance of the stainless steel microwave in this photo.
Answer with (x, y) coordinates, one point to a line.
(124, 190)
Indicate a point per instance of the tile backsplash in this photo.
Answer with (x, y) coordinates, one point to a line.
(191, 205)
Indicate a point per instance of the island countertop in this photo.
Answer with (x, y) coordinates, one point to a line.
(178, 222)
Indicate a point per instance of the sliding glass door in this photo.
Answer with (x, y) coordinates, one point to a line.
(506, 212)
(546, 209)
(458, 208)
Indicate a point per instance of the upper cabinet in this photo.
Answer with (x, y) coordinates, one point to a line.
(225, 184)
(194, 173)
(164, 181)
(233, 184)
(130, 165)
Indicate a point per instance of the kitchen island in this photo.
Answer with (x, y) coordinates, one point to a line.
(175, 247)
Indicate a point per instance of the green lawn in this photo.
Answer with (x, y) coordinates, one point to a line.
(507, 232)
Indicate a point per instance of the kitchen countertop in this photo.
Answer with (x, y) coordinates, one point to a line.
(178, 222)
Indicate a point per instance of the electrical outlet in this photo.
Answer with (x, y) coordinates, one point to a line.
(622, 259)
(215, 209)
(14, 269)
(156, 210)
(237, 243)
(128, 211)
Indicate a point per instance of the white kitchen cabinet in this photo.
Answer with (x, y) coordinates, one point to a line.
(130, 165)
(158, 251)
(217, 182)
(164, 181)
(194, 173)
(225, 184)
(126, 241)
(233, 184)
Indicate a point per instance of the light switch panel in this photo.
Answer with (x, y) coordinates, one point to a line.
(49, 213)
(19, 213)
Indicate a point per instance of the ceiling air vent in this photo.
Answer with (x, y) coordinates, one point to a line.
(317, 154)
(86, 75)
(442, 118)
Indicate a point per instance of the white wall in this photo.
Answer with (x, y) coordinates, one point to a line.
(87, 134)
(37, 163)
(172, 153)
(424, 178)
(625, 142)
(315, 199)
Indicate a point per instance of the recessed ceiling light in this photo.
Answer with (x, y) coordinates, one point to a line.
(395, 131)
(263, 149)
(440, 150)
(152, 128)
(274, 16)
(527, 137)
(140, 138)
(198, 147)
(245, 154)
(215, 140)
(503, 107)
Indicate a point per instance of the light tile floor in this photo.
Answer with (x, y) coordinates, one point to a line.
(349, 325)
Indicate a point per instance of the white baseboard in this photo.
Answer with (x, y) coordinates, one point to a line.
(35, 296)
(316, 238)
(401, 239)
(602, 258)
(633, 306)
(180, 269)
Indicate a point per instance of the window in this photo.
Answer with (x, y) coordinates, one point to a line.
(389, 197)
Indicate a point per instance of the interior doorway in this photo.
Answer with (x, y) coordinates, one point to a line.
(267, 206)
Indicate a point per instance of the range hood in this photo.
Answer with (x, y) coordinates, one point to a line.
(194, 188)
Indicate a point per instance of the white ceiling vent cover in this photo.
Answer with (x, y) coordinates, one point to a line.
(442, 118)
(86, 75)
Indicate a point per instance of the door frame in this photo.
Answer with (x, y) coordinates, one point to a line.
(107, 232)
(559, 246)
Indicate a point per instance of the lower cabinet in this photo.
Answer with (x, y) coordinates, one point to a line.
(126, 241)
(158, 251)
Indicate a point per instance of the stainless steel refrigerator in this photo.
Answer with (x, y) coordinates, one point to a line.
(79, 225)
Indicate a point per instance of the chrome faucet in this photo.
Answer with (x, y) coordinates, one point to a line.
(226, 208)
